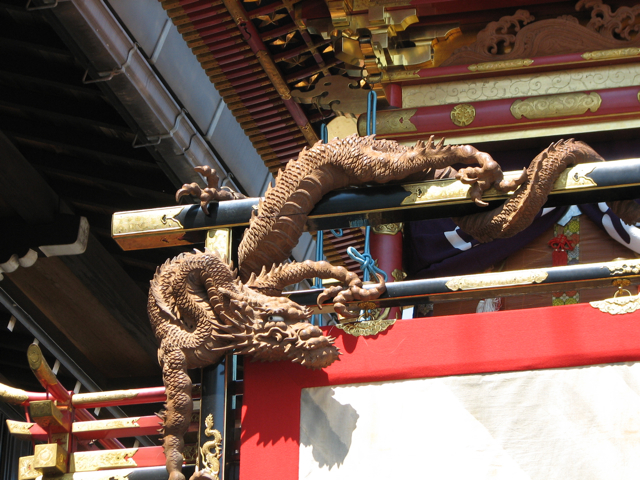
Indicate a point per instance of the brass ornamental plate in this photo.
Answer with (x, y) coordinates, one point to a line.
(576, 177)
(618, 305)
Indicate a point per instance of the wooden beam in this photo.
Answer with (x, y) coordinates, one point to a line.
(372, 205)
(503, 284)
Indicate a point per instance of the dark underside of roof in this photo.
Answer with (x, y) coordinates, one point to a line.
(67, 153)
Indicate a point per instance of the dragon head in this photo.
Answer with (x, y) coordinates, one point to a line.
(279, 330)
(197, 302)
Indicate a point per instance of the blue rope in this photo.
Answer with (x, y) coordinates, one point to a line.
(324, 133)
(317, 283)
(319, 256)
(366, 261)
(337, 233)
(367, 264)
(372, 99)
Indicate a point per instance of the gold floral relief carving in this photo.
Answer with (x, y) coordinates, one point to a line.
(49, 458)
(463, 114)
(556, 105)
(366, 328)
(500, 65)
(623, 266)
(190, 453)
(522, 85)
(501, 279)
(613, 53)
(618, 305)
(398, 275)
(147, 220)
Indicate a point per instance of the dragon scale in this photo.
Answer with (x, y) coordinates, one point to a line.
(282, 215)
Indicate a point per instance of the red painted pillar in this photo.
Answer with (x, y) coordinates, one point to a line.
(385, 245)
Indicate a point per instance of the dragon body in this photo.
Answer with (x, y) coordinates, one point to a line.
(201, 309)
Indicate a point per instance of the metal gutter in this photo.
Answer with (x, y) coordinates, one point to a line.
(117, 59)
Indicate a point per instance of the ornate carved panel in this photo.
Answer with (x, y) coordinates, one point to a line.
(519, 36)
(525, 85)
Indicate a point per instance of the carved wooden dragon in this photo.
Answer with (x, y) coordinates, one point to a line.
(201, 310)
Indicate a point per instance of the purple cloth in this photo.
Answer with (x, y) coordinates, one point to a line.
(429, 250)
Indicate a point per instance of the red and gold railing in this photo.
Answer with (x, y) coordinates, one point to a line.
(69, 439)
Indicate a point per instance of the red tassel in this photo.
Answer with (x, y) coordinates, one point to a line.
(560, 258)
(560, 245)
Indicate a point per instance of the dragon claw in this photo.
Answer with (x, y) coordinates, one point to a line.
(188, 189)
(211, 193)
(355, 292)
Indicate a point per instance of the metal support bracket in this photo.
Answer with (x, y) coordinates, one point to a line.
(106, 76)
(155, 140)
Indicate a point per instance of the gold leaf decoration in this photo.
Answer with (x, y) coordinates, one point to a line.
(271, 19)
(297, 61)
(556, 105)
(284, 41)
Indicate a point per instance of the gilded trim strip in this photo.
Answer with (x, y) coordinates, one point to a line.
(104, 396)
(100, 460)
(538, 129)
(106, 424)
(501, 279)
(613, 53)
(12, 395)
(21, 430)
(155, 219)
(501, 65)
(576, 177)
(443, 190)
(391, 121)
